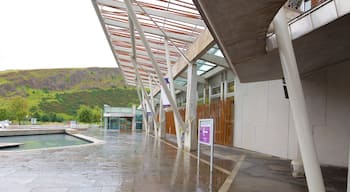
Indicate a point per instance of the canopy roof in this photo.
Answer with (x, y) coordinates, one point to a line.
(178, 19)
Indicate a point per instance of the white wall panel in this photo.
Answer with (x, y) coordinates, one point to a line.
(263, 121)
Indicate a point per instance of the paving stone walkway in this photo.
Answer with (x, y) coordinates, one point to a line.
(127, 162)
(136, 162)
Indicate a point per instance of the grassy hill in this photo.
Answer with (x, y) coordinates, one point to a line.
(62, 91)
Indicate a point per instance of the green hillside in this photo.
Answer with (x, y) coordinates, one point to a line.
(63, 91)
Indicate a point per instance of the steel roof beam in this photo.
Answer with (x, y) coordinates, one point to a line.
(156, 12)
(144, 53)
(151, 30)
(142, 60)
(139, 43)
(217, 60)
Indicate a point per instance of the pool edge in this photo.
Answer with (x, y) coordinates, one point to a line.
(94, 142)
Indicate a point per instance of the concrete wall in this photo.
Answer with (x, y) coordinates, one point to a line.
(263, 121)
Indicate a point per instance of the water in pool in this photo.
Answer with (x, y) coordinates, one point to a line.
(41, 141)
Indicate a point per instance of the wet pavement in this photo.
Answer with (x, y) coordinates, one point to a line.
(136, 162)
(264, 173)
(127, 162)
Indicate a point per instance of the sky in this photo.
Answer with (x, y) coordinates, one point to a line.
(40, 34)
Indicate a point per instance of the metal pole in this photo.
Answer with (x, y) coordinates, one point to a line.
(172, 90)
(133, 61)
(144, 118)
(155, 127)
(211, 156)
(349, 172)
(161, 128)
(141, 102)
(132, 15)
(198, 156)
(164, 34)
(198, 149)
(99, 15)
(298, 105)
(133, 126)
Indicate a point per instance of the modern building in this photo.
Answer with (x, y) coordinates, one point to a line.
(122, 118)
(273, 74)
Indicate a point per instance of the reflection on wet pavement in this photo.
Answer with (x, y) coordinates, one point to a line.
(136, 162)
(127, 162)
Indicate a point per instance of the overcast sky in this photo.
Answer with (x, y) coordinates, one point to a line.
(38, 34)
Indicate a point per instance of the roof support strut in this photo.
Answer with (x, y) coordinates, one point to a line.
(172, 90)
(133, 61)
(298, 105)
(132, 15)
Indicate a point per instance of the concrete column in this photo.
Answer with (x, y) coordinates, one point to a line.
(298, 167)
(298, 105)
(191, 109)
(161, 128)
(204, 94)
(105, 122)
(172, 91)
(209, 93)
(225, 85)
(133, 126)
(222, 87)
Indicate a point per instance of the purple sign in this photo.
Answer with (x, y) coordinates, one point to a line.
(204, 134)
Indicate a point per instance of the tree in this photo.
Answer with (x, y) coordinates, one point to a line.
(96, 114)
(44, 118)
(3, 114)
(34, 112)
(85, 114)
(18, 108)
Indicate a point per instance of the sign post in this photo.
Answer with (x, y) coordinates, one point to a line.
(206, 137)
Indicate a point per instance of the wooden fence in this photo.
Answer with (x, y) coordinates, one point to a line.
(220, 111)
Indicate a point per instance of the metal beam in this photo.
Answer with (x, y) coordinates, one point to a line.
(220, 61)
(141, 60)
(141, 52)
(133, 58)
(213, 72)
(142, 73)
(162, 122)
(151, 30)
(138, 42)
(140, 95)
(297, 104)
(98, 13)
(202, 44)
(181, 88)
(155, 127)
(132, 15)
(144, 67)
(200, 79)
(173, 94)
(156, 12)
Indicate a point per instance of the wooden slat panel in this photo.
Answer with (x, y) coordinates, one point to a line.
(220, 111)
